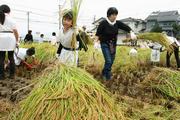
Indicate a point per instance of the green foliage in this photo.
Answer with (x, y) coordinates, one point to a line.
(156, 28)
(176, 30)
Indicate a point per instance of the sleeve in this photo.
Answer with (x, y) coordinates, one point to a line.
(100, 29)
(82, 44)
(59, 48)
(123, 26)
(58, 37)
(12, 23)
(25, 38)
(31, 37)
(151, 45)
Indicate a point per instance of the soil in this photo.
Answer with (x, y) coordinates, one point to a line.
(127, 88)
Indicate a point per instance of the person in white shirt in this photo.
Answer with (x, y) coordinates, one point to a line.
(21, 54)
(175, 44)
(41, 39)
(155, 52)
(133, 52)
(53, 39)
(8, 40)
(67, 53)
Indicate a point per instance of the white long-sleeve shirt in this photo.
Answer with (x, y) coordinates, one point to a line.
(20, 55)
(173, 40)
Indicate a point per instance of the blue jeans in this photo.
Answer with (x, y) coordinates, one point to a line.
(109, 59)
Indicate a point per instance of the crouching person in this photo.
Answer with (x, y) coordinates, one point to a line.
(22, 54)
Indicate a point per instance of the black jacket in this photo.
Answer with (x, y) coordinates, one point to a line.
(107, 32)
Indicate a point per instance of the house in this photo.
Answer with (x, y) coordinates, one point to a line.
(137, 25)
(164, 19)
(96, 23)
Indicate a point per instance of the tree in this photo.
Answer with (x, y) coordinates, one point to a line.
(156, 28)
(176, 30)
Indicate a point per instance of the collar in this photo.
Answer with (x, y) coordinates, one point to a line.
(111, 23)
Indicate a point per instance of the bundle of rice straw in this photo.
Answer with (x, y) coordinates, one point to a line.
(165, 81)
(75, 6)
(154, 37)
(68, 93)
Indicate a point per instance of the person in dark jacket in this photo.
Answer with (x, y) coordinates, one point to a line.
(107, 32)
(28, 37)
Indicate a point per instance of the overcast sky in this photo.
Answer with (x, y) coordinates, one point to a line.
(94, 8)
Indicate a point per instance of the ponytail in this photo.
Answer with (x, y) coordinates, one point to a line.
(3, 9)
(2, 17)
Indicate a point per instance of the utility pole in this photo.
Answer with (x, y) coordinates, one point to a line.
(94, 19)
(28, 20)
(60, 7)
(61, 4)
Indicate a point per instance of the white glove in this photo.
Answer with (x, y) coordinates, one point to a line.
(57, 55)
(133, 36)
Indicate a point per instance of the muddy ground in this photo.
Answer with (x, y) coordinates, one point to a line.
(127, 89)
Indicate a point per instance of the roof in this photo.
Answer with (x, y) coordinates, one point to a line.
(130, 19)
(164, 16)
(99, 20)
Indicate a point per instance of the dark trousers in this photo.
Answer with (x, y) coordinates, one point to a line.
(176, 54)
(11, 64)
(109, 59)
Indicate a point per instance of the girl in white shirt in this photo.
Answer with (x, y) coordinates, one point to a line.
(66, 54)
(8, 40)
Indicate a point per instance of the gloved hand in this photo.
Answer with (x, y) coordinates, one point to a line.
(57, 55)
(132, 35)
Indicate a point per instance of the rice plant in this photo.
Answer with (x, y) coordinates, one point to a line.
(68, 93)
(165, 81)
(156, 37)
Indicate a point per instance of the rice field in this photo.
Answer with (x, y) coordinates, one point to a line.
(139, 90)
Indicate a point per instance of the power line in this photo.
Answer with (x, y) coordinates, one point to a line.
(35, 13)
(37, 21)
(26, 6)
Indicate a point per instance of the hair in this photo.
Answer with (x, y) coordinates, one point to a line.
(3, 9)
(41, 35)
(68, 15)
(2, 18)
(53, 34)
(29, 31)
(84, 27)
(112, 11)
(30, 51)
